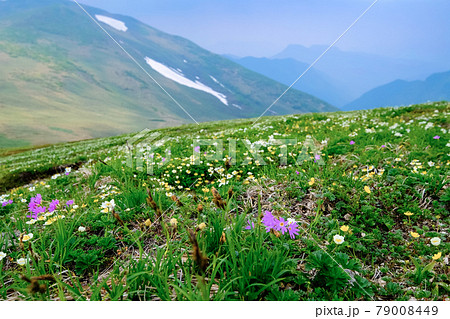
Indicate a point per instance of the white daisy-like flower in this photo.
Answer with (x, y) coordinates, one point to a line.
(81, 229)
(2, 255)
(108, 206)
(21, 261)
(31, 222)
(338, 239)
(435, 241)
(27, 237)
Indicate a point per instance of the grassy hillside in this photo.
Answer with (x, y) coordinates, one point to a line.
(63, 79)
(359, 211)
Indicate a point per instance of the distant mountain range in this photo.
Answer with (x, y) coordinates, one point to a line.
(339, 77)
(435, 88)
(64, 79)
(287, 70)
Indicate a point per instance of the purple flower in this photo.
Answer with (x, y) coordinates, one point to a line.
(53, 205)
(297, 172)
(383, 146)
(69, 202)
(317, 157)
(352, 142)
(293, 229)
(437, 137)
(8, 202)
(269, 221)
(197, 149)
(281, 225)
(251, 225)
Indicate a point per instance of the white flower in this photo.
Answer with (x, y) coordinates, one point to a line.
(173, 222)
(27, 237)
(290, 221)
(81, 229)
(435, 241)
(31, 222)
(398, 134)
(21, 261)
(108, 206)
(23, 200)
(31, 189)
(75, 206)
(2, 255)
(338, 239)
(430, 163)
(68, 169)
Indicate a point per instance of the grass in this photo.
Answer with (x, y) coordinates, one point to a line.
(197, 231)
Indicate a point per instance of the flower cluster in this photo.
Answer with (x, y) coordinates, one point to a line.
(36, 207)
(271, 222)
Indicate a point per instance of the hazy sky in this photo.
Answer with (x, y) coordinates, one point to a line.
(401, 28)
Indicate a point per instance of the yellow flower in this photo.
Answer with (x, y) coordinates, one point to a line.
(344, 228)
(311, 182)
(408, 213)
(437, 256)
(367, 189)
(201, 226)
(415, 235)
(148, 223)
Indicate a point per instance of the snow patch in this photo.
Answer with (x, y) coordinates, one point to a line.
(237, 106)
(116, 24)
(179, 78)
(215, 80)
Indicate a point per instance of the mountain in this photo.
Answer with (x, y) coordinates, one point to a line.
(286, 71)
(356, 72)
(64, 79)
(435, 88)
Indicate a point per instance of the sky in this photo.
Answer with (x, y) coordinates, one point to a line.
(415, 29)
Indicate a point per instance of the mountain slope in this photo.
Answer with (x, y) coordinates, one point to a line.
(286, 71)
(358, 72)
(435, 88)
(64, 79)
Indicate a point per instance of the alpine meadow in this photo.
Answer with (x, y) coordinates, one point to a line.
(136, 165)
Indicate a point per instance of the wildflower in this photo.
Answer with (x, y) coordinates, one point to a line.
(197, 149)
(269, 221)
(2, 255)
(173, 222)
(31, 189)
(53, 205)
(69, 203)
(27, 237)
(21, 261)
(435, 241)
(68, 170)
(437, 256)
(202, 226)
(31, 222)
(290, 221)
(251, 225)
(408, 213)
(311, 181)
(367, 189)
(108, 206)
(297, 172)
(292, 229)
(344, 228)
(352, 142)
(383, 146)
(338, 239)
(81, 229)
(415, 235)
(281, 225)
(436, 137)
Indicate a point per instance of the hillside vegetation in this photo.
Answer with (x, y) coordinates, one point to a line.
(326, 206)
